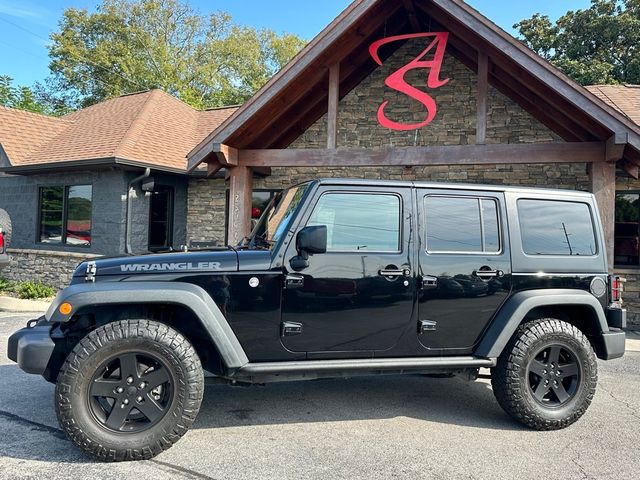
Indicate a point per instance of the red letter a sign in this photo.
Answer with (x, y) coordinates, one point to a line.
(397, 81)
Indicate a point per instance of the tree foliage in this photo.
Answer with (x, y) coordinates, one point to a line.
(21, 97)
(598, 45)
(132, 45)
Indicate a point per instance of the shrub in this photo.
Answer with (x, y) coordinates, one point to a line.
(6, 285)
(33, 290)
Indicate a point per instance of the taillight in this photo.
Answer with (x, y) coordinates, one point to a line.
(1, 242)
(616, 288)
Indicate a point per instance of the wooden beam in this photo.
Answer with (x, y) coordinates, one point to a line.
(616, 144)
(332, 109)
(411, 13)
(481, 101)
(213, 168)
(603, 186)
(631, 168)
(227, 156)
(589, 152)
(240, 190)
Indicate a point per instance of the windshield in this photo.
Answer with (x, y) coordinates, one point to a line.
(276, 219)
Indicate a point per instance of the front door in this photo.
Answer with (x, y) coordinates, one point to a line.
(464, 267)
(359, 295)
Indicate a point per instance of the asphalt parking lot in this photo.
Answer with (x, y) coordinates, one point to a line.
(385, 427)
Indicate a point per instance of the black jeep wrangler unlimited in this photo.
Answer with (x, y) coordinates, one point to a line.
(338, 278)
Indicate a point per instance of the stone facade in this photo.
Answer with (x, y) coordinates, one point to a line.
(49, 268)
(455, 124)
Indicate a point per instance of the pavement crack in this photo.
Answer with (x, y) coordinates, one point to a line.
(36, 426)
(631, 409)
(186, 471)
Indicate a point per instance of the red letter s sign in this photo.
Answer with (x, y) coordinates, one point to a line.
(397, 82)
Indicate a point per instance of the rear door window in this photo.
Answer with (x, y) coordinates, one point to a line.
(462, 225)
(551, 227)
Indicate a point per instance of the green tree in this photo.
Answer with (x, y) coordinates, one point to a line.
(132, 45)
(20, 97)
(598, 45)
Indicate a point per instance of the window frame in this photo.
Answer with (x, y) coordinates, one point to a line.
(170, 219)
(65, 216)
(363, 192)
(479, 199)
(594, 229)
(621, 266)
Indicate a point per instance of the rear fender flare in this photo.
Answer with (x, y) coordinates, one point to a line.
(188, 295)
(513, 312)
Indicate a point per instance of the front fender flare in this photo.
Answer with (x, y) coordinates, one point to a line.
(516, 308)
(188, 295)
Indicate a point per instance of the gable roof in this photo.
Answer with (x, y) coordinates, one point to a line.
(149, 128)
(296, 97)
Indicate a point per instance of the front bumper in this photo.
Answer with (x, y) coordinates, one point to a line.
(31, 348)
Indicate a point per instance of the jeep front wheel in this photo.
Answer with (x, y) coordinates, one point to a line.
(546, 377)
(129, 390)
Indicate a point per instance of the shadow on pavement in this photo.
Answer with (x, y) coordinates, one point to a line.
(30, 429)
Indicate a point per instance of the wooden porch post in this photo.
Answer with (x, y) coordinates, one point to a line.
(603, 186)
(240, 194)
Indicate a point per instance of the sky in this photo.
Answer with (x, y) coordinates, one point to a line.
(25, 25)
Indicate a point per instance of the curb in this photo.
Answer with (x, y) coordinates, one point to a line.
(18, 305)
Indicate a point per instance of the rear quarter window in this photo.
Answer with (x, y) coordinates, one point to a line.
(559, 228)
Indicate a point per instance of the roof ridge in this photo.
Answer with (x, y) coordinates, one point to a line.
(36, 114)
(130, 133)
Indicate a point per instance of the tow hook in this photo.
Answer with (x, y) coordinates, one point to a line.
(33, 322)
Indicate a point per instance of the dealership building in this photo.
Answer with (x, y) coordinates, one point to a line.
(414, 90)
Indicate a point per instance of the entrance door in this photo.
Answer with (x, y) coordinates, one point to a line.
(465, 265)
(359, 295)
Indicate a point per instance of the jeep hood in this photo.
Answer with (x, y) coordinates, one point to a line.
(210, 261)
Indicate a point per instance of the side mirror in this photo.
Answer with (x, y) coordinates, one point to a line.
(310, 240)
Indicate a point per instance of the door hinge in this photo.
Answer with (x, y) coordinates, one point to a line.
(429, 282)
(427, 326)
(293, 281)
(291, 328)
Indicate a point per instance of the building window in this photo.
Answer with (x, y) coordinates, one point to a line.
(359, 222)
(627, 229)
(462, 225)
(549, 227)
(161, 218)
(65, 215)
(259, 201)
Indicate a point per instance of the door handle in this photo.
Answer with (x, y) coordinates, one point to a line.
(429, 282)
(289, 329)
(390, 272)
(488, 273)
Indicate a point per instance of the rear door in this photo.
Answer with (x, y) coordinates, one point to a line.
(464, 267)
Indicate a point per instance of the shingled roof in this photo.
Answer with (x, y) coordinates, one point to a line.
(624, 98)
(150, 128)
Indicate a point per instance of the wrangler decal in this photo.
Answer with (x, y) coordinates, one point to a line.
(163, 267)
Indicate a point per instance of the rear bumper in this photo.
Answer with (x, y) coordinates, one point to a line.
(617, 317)
(31, 348)
(613, 343)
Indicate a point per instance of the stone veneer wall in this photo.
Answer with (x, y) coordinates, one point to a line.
(631, 295)
(47, 267)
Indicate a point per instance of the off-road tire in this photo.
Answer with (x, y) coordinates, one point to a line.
(511, 376)
(72, 397)
(5, 226)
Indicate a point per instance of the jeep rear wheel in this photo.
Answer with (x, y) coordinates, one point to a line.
(129, 390)
(546, 377)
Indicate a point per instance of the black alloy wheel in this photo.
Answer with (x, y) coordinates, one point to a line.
(554, 375)
(547, 374)
(131, 392)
